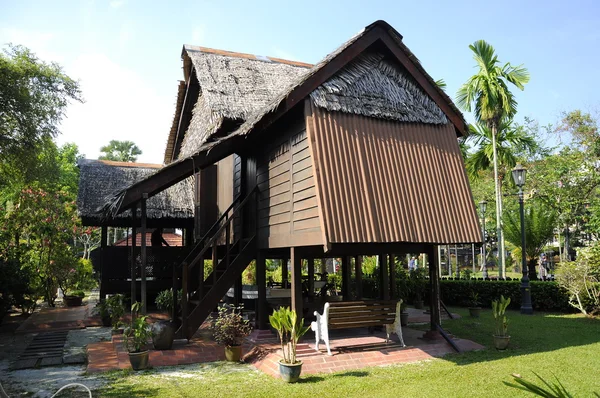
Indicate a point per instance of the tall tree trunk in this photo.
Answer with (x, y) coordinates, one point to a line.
(499, 234)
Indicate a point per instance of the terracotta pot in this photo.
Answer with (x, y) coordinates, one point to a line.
(163, 333)
(501, 342)
(290, 373)
(404, 318)
(474, 312)
(139, 360)
(233, 353)
(72, 301)
(106, 321)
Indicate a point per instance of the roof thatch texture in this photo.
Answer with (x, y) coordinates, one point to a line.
(232, 87)
(376, 87)
(101, 180)
(175, 125)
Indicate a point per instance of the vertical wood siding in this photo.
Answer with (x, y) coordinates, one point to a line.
(386, 181)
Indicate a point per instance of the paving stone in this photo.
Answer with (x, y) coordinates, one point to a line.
(51, 361)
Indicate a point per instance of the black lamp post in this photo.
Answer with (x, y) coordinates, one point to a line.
(482, 207)
(519, 173)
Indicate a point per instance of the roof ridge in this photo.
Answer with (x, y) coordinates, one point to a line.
(119, 164)
(189, 47)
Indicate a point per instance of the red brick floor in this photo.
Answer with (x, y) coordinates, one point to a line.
(354, 349)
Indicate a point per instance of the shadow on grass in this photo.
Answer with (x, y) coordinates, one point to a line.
(317, 378)
(539, 333)
(128, 390)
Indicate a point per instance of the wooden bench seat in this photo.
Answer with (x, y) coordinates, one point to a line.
(355, 314)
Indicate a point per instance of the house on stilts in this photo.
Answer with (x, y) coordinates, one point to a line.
(354, 156)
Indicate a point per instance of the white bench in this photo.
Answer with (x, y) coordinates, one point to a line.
(353, 314)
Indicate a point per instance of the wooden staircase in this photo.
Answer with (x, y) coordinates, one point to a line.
(230, 254)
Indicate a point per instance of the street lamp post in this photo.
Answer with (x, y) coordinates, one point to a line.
(519, 173)
(482, 207)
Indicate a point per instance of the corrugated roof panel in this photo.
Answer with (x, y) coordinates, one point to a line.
(385, 181)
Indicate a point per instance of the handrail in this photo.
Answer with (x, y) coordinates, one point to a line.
(210, 230)
(216, 235)
(447, 310)
(447, 338)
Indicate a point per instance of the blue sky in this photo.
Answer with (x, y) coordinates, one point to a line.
(126, 53)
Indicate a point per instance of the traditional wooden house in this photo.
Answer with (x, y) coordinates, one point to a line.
(357, 155)
(171, 208)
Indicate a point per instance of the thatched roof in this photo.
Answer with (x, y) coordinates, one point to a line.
(100, 180)
(326, 84)
(175, 125)
(232, 87)
(375, 86)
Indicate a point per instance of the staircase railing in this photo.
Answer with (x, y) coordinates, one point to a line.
(213, 241)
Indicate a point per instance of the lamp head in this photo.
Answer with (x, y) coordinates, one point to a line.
(518, 174)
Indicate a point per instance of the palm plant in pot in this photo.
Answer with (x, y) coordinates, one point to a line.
(474, 308)
(290, 329)
(501, 337)
(136, 339)
(229, 330)
(418, 286)
(104, 312)
(116, 309)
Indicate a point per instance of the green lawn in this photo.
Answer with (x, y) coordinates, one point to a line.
(567, 346)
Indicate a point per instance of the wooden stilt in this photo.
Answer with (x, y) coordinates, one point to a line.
(434, 284)
(133, 264)
(311, 276)
(384, 277)
(358, 277)
(143, 254)
(261, 281)
(392, 266)
(346, 278)
(296, 281)
(284, 272)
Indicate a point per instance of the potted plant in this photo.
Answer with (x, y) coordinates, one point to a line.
(104, 312)
(290, 329)
(474, 308)
(116, 310)
(501, 337)
(163, 332)
(74, 299)
(403, 314)
(229, 330)
(136, 338)
(419, 286)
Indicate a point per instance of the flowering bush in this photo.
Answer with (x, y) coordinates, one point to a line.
(229, 328)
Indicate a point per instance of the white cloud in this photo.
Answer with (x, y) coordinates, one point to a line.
(119, 105)
(198, 34)
(116, 3)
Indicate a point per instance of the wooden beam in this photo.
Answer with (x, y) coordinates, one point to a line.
(384, 277)
(261, 281)
(284, 272)
(346, 278)
(133, 264)
(434, 285)
(392, 266)
(103, 236)
(358, 277)
(143, 250)
(297, 304)
(311, 276)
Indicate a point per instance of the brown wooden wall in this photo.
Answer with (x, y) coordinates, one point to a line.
(382, 181)
(288, 214)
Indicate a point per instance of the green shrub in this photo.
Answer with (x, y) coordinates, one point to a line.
(164, 300)
(545, 296)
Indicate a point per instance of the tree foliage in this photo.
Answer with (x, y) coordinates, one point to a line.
(120, 151)
(33, 99)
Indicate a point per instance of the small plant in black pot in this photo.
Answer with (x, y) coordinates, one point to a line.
(290, 329)
(229, 330)
(116, 309)
(475, 305)
(164, 331)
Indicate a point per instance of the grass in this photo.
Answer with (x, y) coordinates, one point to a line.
(567, 346)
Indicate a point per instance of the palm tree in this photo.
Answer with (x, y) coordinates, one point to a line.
(510, 140)
(539, 230)
(486, 94)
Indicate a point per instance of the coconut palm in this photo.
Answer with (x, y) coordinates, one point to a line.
(539, 230)
(487, 95)
(510, 141)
